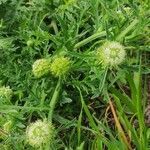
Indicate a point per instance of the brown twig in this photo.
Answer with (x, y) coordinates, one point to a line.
(121, 132)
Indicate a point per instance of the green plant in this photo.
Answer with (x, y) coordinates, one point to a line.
(54, 56)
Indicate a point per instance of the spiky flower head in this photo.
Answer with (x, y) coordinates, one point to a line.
(41, 67)
(39, 133)
(111, 54)
(60, 66)
(6, 92)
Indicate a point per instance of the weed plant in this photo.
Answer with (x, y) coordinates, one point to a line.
(74, 74)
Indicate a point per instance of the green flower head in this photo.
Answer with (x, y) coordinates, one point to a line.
(60, 66)
(39, 133)
(111, 54)
(41, 67)
(6, 92)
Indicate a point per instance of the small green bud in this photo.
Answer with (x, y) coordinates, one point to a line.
(39, 133)
(6, 92)
(111, 54)
(29, 43)
(60, 66)
(41, 67)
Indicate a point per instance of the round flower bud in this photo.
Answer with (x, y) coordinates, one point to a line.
(111, 54)
(39, 133)
(6, 92)
(41, 67)
(29, 43)
(60, 66)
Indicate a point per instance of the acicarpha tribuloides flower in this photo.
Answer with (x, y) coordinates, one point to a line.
(60, 66)
(39, 133)
(41, 67)
(6, 92)
(111, 54)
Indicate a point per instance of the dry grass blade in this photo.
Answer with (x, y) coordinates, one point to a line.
(118, 125)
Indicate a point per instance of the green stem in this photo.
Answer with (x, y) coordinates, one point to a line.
(127, 30)
(54, 99)
(8, 107)
(54, 25)
(101, 84)
(89, 39)
(140, 113)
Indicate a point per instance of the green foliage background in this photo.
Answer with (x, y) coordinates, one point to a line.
(34, 29)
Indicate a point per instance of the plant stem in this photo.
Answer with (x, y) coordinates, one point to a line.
(89, 39)
(127, 30)
(54, 99)
(8, 107)
(102, 82)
